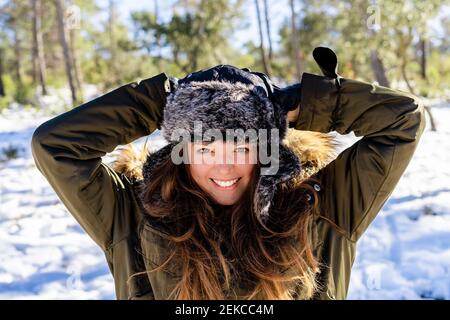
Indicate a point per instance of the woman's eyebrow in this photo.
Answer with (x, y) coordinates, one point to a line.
(203, 143)
(237, 144)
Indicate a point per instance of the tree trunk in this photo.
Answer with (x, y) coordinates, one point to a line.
(295, 43)
(423, 58)
(265, 63)
(34, 62)
(269, 37)
(378, 68)
(66, 50)
(38, 48)
(17, 52)
(405, 76)
(2, 87)
(423, 74)
(402, 54)
(76, 65)
(432, 122)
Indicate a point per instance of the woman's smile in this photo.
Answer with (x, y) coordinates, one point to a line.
(227, 176)
(225, 184)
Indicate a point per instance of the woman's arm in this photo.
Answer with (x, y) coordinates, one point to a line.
(360, 180)
(68, 149)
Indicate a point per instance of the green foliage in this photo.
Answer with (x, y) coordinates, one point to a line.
(24, 92)
(196, 34)
(21, 93)
(10, 152)
(355, 28)
(5, 102)
(197, 37)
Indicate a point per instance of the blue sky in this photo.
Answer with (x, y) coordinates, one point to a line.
(279, 12)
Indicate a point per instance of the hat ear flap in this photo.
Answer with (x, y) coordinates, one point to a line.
(289, 166)
(154, 160)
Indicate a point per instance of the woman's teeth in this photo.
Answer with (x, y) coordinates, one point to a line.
(225, 183)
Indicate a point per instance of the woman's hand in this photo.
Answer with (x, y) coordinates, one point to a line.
(293, 114)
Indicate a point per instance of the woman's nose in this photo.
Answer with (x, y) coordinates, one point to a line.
(224, 169)
(225, 161)
(224, 157)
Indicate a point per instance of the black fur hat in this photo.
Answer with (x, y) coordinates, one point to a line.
(223, 104)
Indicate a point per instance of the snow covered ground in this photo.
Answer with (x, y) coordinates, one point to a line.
(44, 254)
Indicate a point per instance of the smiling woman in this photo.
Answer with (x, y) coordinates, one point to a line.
(222, 169)
(218, 228)
(215, 209)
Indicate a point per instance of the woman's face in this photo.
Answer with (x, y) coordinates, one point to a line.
(222, 169)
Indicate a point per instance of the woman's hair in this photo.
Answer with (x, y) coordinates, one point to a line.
(219, 248)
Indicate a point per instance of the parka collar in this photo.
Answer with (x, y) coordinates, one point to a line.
(304, 153)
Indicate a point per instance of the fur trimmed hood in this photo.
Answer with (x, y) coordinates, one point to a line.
(314, 149)
(213, 109)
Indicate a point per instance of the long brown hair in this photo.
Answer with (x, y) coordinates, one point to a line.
(221, 247)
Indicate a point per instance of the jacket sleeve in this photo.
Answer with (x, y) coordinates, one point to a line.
(360, 180)
(68, 148)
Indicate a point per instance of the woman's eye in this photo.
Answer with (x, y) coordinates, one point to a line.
(203, 150)
(206, 150)
(242, 149)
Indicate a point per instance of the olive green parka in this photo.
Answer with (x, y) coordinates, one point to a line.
(354, 185)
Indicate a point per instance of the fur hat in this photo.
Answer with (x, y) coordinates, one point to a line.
(222, 104)
(226, 105)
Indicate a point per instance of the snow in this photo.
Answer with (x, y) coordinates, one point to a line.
(44, 254)
(405, 253)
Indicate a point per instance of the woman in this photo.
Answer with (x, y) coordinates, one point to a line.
(231, 229)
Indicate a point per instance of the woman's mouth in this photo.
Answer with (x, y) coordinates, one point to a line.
(225, 184)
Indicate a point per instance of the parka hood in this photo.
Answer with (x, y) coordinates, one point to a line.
(194, 111)
(314, 149)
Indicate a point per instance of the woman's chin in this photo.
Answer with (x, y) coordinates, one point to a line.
(224, 202)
